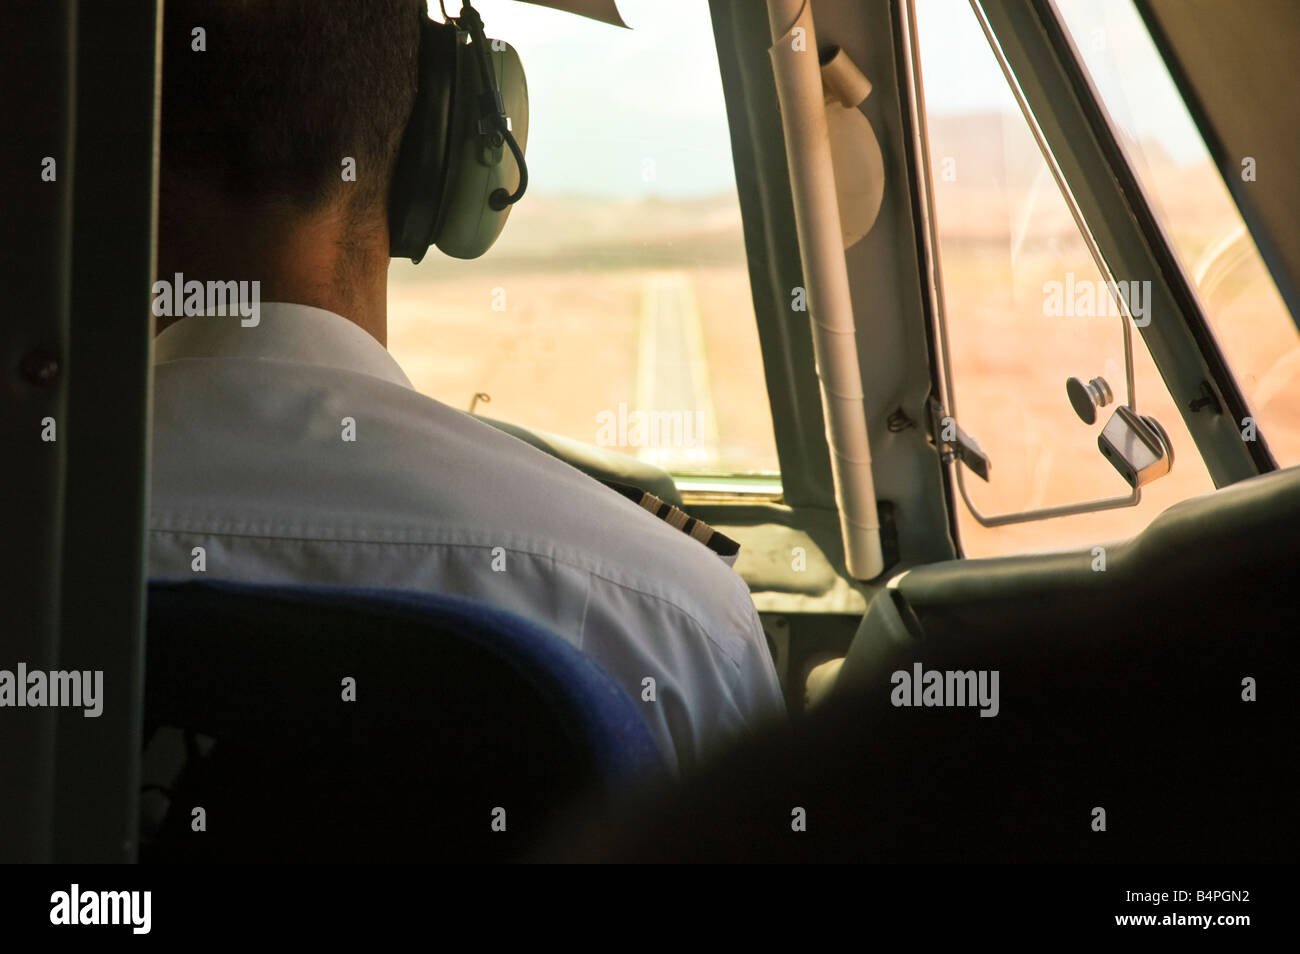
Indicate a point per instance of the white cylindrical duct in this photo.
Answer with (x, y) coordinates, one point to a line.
(812, 182)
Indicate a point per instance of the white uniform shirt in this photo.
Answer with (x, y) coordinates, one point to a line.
(249, 462)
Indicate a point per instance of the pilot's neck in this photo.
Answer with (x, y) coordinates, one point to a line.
(328, 259)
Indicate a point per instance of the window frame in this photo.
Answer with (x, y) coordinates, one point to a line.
(1034, 44)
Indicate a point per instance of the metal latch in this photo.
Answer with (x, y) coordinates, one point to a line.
(954, 443)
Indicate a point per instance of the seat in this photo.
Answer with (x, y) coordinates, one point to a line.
(1144, 711)
(326, 723)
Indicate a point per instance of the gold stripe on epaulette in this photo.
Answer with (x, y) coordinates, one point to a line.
(678, 519)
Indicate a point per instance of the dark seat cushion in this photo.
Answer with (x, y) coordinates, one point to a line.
(459, 709)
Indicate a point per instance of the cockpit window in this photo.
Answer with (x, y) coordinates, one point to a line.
(1251, 323)
(615, 309)
(1027, 307)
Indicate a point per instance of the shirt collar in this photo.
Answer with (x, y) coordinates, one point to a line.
(286, 332)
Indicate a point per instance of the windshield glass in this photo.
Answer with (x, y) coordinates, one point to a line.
(615, 309)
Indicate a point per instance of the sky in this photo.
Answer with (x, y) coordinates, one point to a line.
(961, 73)
(630, 113)
(615, 112)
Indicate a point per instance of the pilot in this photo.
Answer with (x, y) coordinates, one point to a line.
(289, 446)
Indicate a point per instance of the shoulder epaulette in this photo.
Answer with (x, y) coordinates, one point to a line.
(719, 543)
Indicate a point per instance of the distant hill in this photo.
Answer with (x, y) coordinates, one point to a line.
(994, 147)
(550, 231)
(991, 153)
(1003, 186)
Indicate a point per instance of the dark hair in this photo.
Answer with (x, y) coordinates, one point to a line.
(284, 90)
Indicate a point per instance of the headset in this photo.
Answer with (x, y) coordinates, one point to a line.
(452, 186)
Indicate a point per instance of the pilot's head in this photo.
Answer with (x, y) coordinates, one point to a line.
(281, 121)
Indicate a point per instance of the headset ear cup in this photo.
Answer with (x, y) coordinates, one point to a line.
(469, 225)
(420, 174)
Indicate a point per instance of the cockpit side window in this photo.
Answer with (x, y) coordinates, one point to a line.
(1247, 316)
(1027, 304)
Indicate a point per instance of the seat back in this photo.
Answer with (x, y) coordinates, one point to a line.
(370, 724)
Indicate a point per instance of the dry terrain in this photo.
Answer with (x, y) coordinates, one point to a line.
(588, 304)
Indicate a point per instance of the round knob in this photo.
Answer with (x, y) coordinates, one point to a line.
(1086, 398)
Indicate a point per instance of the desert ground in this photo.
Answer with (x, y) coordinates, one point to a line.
(588, 304)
